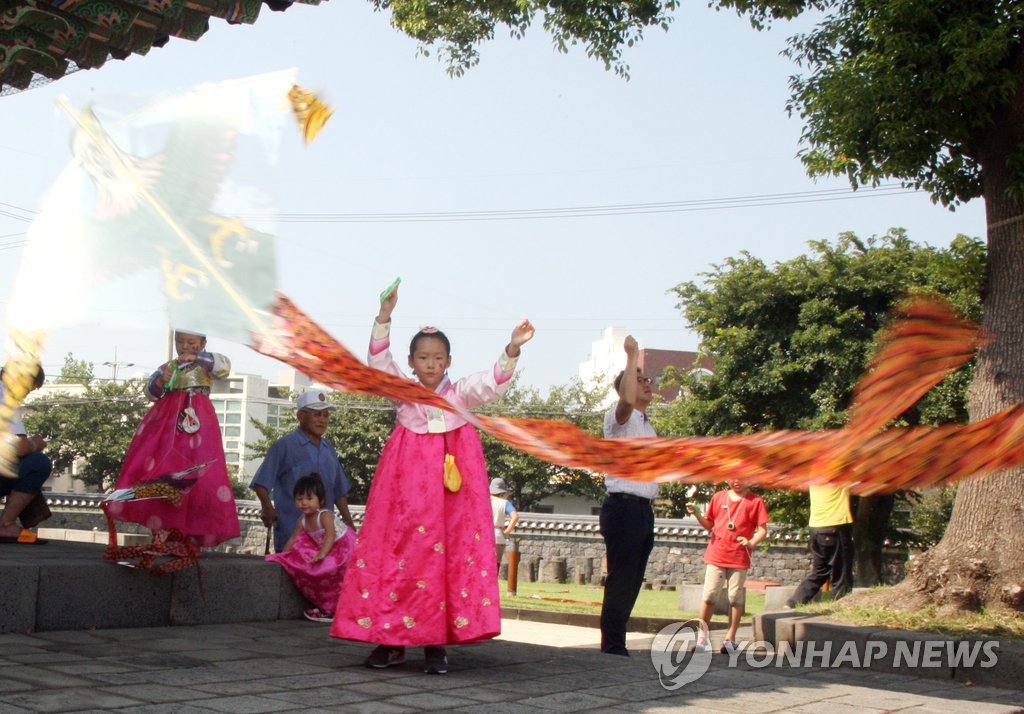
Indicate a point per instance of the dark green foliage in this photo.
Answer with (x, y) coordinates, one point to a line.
(94, 427)
(458, 27)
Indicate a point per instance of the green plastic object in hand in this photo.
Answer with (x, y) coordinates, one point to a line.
(390, 289)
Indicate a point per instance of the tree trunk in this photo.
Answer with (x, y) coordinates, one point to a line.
(870, 524)
(979, 561)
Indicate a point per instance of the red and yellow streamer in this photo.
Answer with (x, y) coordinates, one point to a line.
(917, 352)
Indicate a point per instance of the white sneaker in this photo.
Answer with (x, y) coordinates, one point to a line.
(701, 647)
(728, 647)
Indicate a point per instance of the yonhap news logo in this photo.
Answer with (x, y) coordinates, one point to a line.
(673, 656)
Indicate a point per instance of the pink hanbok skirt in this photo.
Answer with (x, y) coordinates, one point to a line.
(319, 582)
(207, 511)
(423, 570)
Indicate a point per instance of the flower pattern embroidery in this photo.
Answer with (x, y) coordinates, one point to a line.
(364, 622)
(439, 547)
(421, 584)
(360, 563)
(469, 560)
(461, 622)
(401, 565)
(476, 536)
(408, 622)
(365, 594)
(464, 592)
(485, 602)
(422, 530)
(393, 596)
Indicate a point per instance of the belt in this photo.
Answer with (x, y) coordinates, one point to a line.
(629, 497)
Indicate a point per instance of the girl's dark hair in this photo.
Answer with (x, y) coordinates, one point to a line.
(311, 484)
(431, 332)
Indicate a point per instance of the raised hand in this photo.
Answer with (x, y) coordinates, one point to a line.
(630, 346)
(387, 306)
(522, 333)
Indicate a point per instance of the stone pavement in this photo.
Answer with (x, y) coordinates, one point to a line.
(293, 666)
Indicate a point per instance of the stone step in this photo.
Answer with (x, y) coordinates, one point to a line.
(66, 585)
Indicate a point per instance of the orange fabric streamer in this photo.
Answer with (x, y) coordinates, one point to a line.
(918, 351)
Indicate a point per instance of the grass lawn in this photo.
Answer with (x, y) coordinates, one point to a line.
(587, 599)
(852, 610)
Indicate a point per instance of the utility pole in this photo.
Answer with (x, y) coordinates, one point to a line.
(115, 364)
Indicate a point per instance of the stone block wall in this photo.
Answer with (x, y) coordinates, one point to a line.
(678, 555)
(553, 547)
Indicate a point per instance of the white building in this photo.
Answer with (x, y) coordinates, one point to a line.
(607, 358)
(65, 482)
(240, 398)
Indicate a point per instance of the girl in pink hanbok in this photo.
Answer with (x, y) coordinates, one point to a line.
(180, 432)
(317, 554)
(423, 573)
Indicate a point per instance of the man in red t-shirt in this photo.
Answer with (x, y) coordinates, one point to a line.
(737, 520)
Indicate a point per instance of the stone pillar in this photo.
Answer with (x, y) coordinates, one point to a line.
(552, 570)
(528, 568)
(584, 571)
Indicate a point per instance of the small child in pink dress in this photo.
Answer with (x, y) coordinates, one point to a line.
(317, 554)
(423, 571)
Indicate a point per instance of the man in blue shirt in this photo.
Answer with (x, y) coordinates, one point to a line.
(297, 454)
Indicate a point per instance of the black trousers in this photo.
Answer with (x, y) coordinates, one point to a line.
(831, 561)
(628, 530)
(33, 470)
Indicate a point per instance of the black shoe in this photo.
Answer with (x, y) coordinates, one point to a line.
(385, 656)
(621, 651)
(435, 660)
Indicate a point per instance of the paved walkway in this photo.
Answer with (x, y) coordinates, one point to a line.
(292, 666)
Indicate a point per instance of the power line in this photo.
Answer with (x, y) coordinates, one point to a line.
(590, 211)
(709, 204)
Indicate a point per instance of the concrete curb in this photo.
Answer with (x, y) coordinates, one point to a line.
(646, 625)
(996, 662)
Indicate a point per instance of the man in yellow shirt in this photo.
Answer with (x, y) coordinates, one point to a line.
(831, 540)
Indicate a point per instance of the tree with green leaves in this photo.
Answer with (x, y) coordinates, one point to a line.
(92, 427)
(791, 341)
(457, 27)
(930, 93)
(75, 371)
(530, 479)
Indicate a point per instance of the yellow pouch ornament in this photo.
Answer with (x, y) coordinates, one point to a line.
(452, 477)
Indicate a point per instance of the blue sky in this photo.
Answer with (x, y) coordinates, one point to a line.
(701, 119)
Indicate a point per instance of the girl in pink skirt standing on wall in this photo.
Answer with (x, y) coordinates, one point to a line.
(179, 432)
(423, 572)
